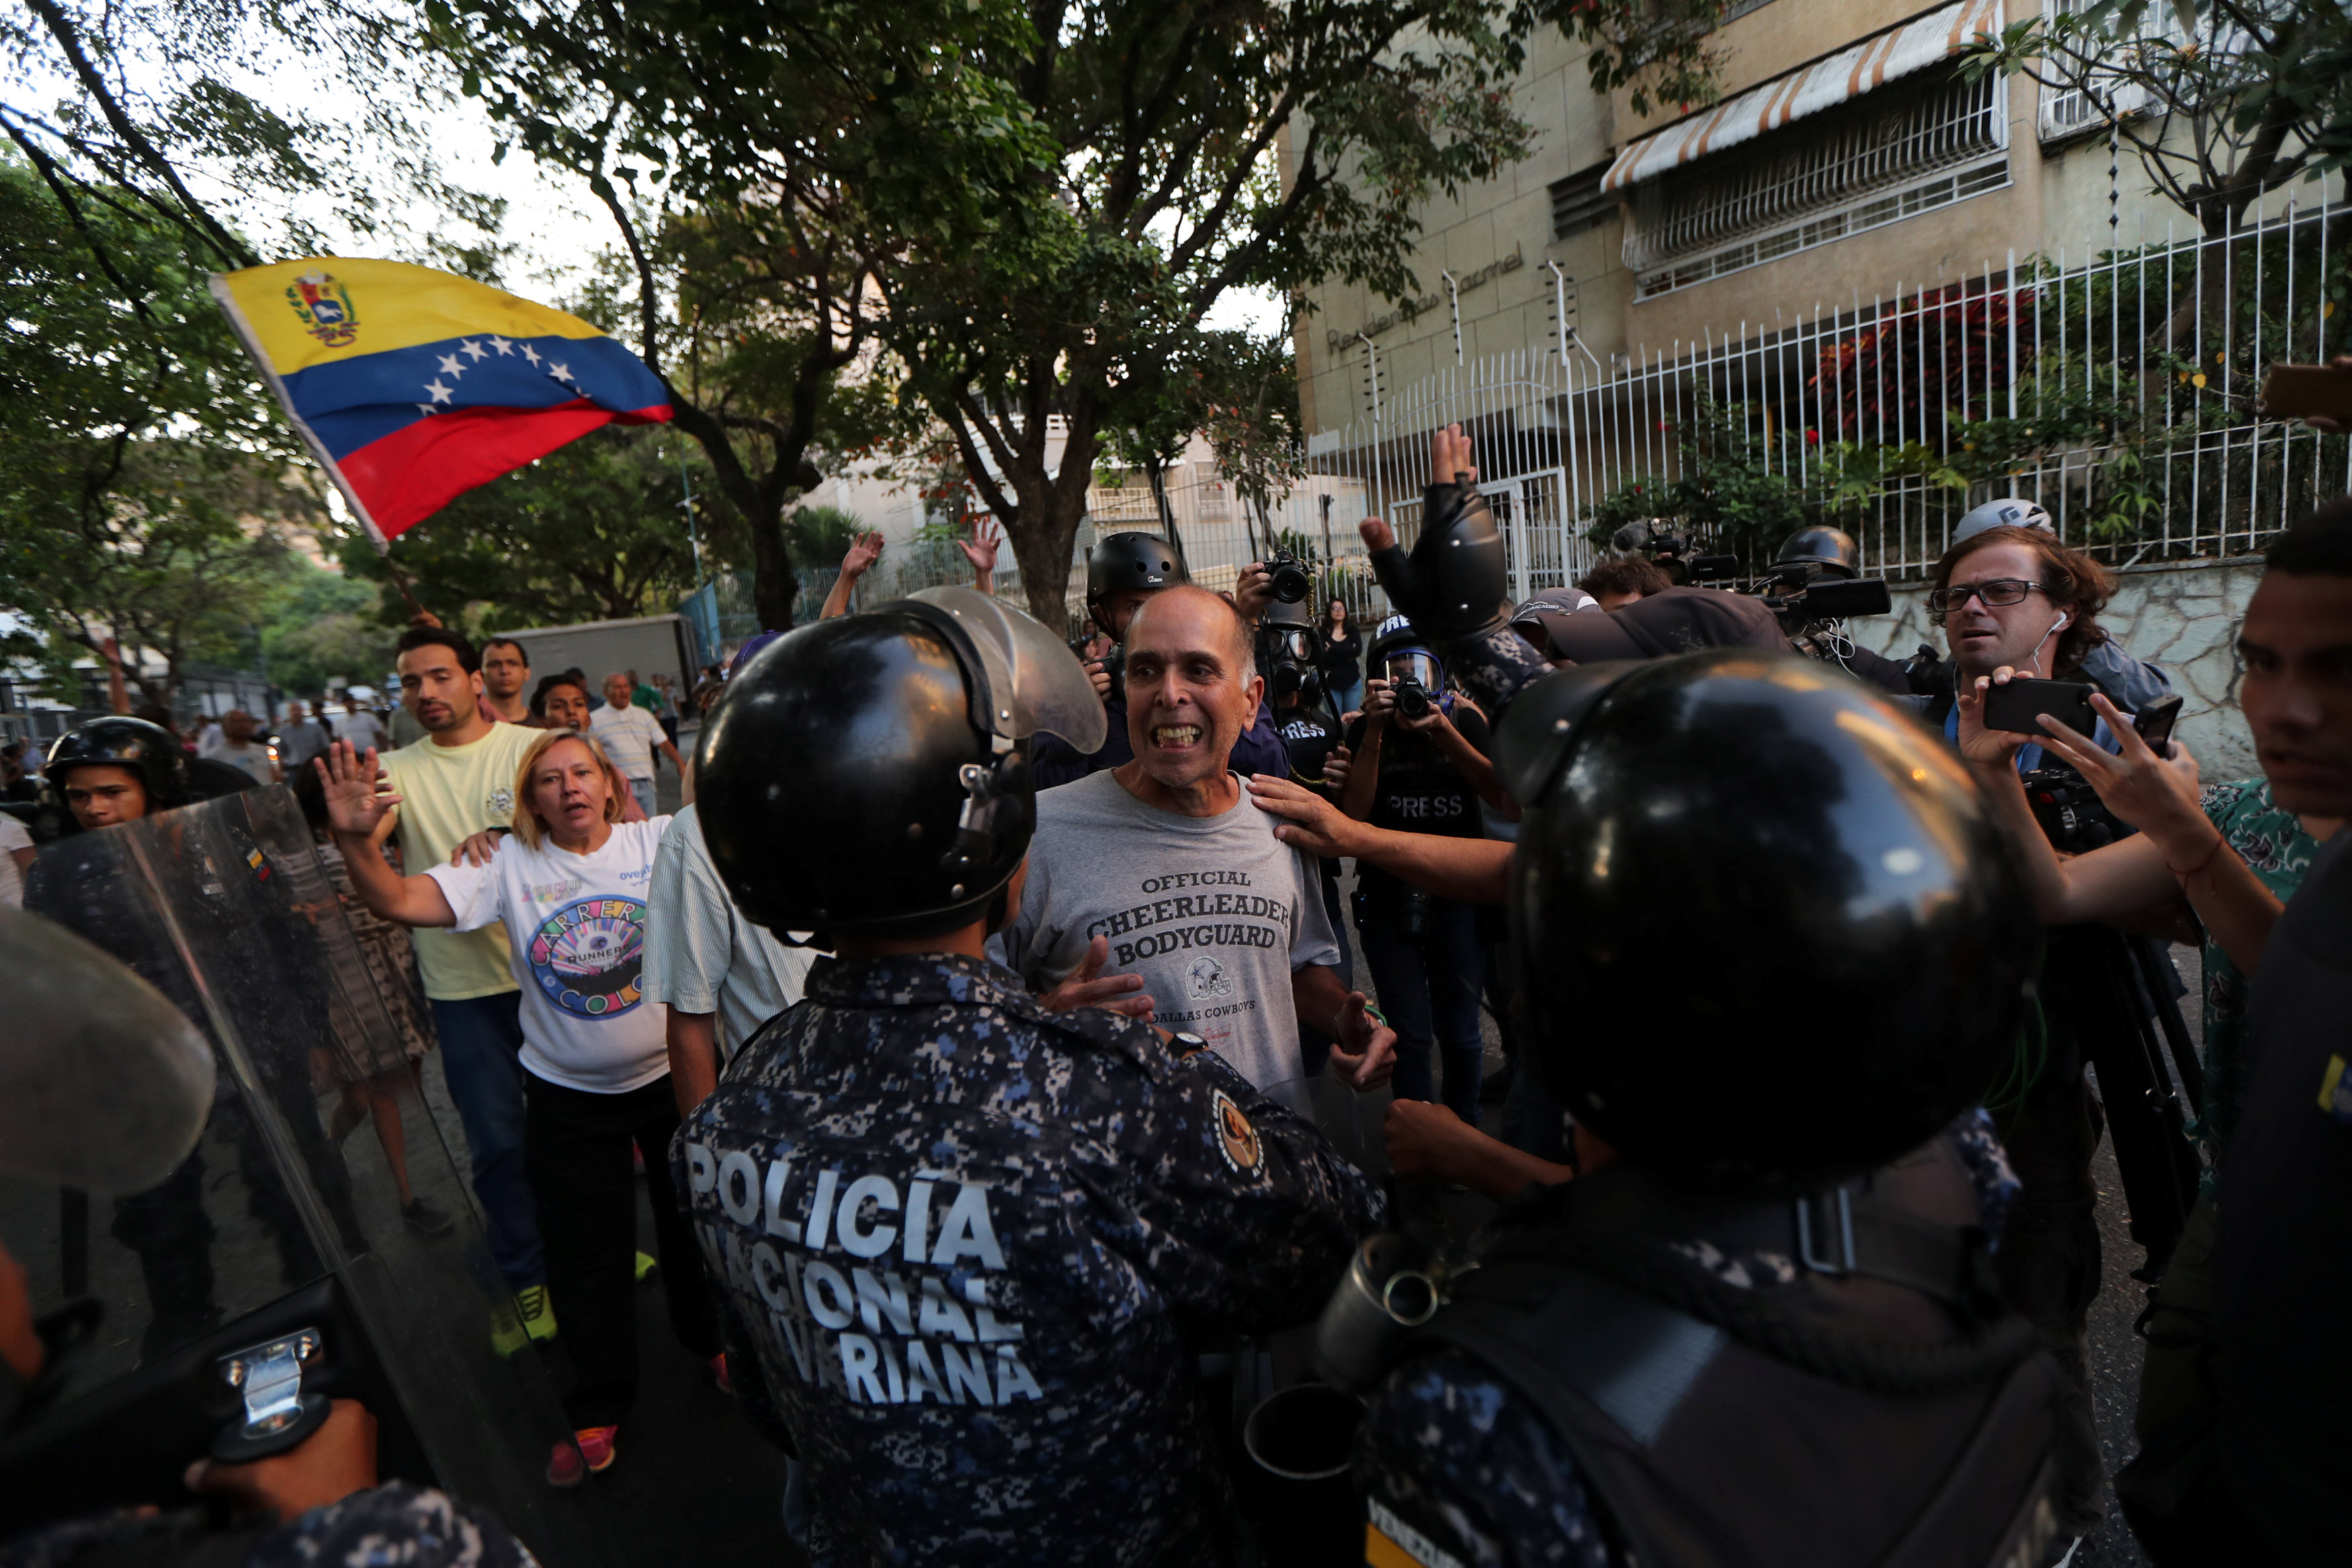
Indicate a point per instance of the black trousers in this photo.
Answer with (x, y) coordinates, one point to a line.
(576, 1148)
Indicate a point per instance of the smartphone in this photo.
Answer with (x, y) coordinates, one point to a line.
(2302, 392)
(2155, 724)
(2016, 705)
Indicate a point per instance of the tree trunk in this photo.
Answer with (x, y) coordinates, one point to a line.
(774, 583)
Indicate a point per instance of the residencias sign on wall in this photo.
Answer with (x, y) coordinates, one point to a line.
(1412, 309)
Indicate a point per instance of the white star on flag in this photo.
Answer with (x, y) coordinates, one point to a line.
(529, 352)
(450, 367)
(440, 393)
(560, 373)
(473, 349)
(502, 345)
(425, 408)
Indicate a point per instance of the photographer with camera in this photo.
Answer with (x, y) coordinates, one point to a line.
(1123, 572)
(1418, 762)
(1290, 655)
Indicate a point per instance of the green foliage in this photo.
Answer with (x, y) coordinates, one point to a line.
(821, 535)
(1042, 204)
(2223, 100)
(144, 477)
(316, 625)
(593, 531)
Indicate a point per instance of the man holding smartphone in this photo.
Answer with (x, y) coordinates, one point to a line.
(2014, 600)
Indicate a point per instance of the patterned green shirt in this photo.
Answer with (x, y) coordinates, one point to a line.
(2271, 839)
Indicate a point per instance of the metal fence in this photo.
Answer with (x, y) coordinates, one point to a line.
(2118, 390)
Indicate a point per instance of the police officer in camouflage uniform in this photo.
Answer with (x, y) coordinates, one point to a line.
(960, 1238)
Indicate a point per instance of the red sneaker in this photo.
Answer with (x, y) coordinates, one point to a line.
(719, 1374)
(591, 1449)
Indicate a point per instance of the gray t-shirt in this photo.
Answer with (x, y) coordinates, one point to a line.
(1215, 912)
(701, 955)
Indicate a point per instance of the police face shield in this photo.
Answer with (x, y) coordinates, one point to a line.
(1035, 683)
(265, 1255)
(104, 1086)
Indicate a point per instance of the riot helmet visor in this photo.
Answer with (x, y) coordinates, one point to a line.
(1035, 683)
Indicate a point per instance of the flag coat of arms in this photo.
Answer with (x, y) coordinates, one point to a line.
(412, 386)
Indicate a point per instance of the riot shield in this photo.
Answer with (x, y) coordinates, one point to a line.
(285, 1219)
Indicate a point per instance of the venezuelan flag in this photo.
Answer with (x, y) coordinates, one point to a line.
(413, 386)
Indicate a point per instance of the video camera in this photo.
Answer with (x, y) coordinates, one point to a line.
(1800, 599)
(1672, 551)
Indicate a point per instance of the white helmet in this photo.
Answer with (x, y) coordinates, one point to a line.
(2016, 512)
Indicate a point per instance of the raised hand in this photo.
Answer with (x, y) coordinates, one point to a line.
(864, 550)
(1366, 1048)
(1089, 987)
(982, 548)
(1453, 586)
(353, 807)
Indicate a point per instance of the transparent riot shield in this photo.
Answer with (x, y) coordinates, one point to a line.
(273, 1268)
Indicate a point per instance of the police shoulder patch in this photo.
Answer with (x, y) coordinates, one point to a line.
(1237, 1139)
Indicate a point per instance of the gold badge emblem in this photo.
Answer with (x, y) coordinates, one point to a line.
(1235, 1136)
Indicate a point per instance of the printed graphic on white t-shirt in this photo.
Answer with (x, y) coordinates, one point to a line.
(576, 930)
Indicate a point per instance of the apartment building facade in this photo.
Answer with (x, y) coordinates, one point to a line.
(1851, 186)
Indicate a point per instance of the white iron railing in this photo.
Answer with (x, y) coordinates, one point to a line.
(2144, 363)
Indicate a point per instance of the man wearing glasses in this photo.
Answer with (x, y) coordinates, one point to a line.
(2014, 598)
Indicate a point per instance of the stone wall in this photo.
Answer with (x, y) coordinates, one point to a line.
(2183, 617)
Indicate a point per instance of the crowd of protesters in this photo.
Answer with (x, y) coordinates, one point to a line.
(1182, 866)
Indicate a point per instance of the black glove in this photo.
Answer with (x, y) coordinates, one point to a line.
(1453, 586)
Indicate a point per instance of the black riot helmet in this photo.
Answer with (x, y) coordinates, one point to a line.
(147, 750)
(1125, 563)
(1823, 552)
(869, 776)
(1767, 924)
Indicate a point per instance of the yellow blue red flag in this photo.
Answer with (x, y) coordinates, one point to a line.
(413, 386)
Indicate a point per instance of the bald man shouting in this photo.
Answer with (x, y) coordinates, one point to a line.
(1162, 870)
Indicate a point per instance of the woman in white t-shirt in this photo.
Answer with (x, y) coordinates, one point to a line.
(570, 887)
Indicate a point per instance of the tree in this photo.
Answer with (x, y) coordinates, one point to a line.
(1032, 208)
(724, 146)
(143, 478)
(2222, 100)
(593, 531)
(317, 625)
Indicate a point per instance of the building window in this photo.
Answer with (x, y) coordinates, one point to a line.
(1890, 156)
(1577, 203)
(1738, 8)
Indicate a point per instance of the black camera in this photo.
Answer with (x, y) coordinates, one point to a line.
(1291, 582)
(1412, 698)
(1114, 665)
(2071, 815)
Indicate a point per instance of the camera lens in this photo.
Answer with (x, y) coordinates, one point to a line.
(1289, 582)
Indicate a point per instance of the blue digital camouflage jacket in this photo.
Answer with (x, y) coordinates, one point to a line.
(963, 1241)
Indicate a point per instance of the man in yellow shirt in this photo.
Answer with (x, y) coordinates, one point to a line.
(457, 781)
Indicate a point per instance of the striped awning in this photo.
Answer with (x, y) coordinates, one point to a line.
(1848, 74)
